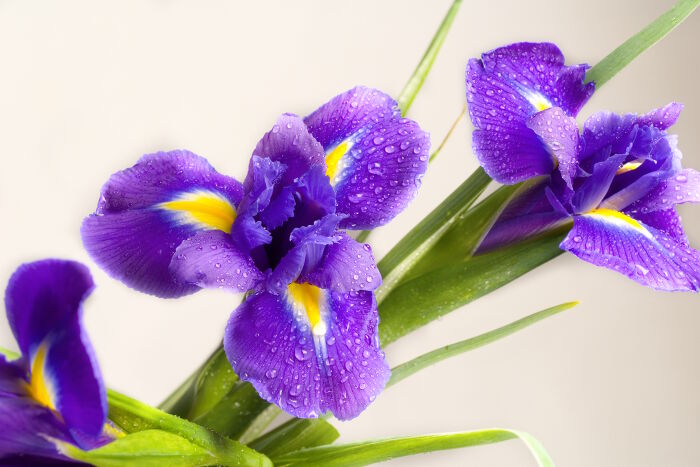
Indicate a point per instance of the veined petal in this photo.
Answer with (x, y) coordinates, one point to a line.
(146, 211)
(374, 158)
(684, 187)
(212, 259)
(590, 194)
(290, 143)
(309, 350)
(346, 266)
(642, 253)
(559, 133)
(12, 374)
(43, 301)
(662, 118)
(26, 428)
(667, 221)
(505, 88)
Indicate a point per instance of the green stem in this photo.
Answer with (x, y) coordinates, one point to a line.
(635, 45)
(415, 82)
(435, 153)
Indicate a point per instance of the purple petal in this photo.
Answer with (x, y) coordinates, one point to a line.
(642, 253)
(25, 428)
(606, 130)
(43, 301)
(662, 118)
(263, 176)
(346, 266)
(559, 133)
(683, 187)
(590, 194)
(146, 211)
(519, 228)
(212, 259)
(12, 377)
(308, 368)
(290, 143)
(538, 68)
(506, 87)
(667, 221)
(374, 158)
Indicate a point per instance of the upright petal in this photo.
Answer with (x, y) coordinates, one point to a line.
(211, 259)
(559, 133)
(346, 266)
(290, 143)
(309, 350)
(43, 301)
(146, 211)
(374, 158)
(506, 87)
(642, 253)
(592, 191)
(662, 118)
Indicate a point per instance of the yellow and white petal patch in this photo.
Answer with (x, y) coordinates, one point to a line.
(39, 386)
(538, 101)
(309, 302)
(336, 161)
(203, 209)
(628, 167)
(619, 219)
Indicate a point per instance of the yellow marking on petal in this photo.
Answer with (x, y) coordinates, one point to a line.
(112, 431)
(628, 167)
(37, 387)
(308, 297)
(538, 101)
(333, 159)
(620, 218)
(204, 208)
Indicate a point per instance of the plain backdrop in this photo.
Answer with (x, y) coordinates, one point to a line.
(87, 87)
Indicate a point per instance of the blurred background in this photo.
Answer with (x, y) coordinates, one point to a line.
(87, 87)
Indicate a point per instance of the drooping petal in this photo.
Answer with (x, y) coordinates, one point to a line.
(146, 211)
(662, 118)
(290, 143)
(559, 133)
(642, 253)
(506, 87)
(309, 350)
(211, 259)
(346, 266)
(667, 221)
(43, 301)
(374, 158)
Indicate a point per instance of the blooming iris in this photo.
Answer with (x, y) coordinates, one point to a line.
(306, 337)
(54, 392)
(619, 180)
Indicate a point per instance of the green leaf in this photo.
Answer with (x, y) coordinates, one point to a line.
(146, 448)
(635, 45)
(296, 434)
(134, 416)
(369, 452)
(416, 80)
(412, 366)
(213, 384)
(11, 355)
(416, 243)
(422, 299)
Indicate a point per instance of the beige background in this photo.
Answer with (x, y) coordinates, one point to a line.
(87, 87)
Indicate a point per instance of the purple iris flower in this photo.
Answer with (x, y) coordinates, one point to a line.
(54, 392)
(306, 337)
(506, 88)
(619, 180)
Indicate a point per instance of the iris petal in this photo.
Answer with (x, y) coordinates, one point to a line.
(146, 211)
(269, 341)
(646, 255)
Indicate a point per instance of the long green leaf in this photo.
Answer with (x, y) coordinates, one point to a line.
(416, 243)
(422, 299)
(365, 453)
(296, 434)
(134, 416)
(415, 82)
(148, 448)
(635, 45)
(405, 370)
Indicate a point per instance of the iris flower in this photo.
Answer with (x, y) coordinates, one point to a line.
(306, 336)
(54, 392)
(619, 180)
